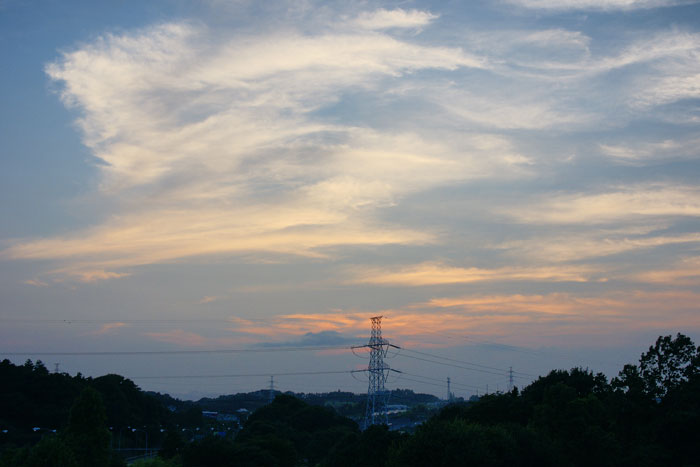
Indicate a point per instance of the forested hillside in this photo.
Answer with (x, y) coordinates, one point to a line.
(648, 415)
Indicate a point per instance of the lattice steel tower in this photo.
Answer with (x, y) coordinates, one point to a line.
(378, 371)
(510, 379)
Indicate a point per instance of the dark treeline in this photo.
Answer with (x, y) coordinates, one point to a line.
(345, 403)
(32, 397)
(649, 415)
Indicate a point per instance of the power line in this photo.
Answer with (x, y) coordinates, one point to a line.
(468, 386)
(126, 320)
(440, 385)
(465, 362)
(480, 368)
(501, 345)
(247, 375)
(504, 374)
(381, 347)
(176, 352)
(513, 348)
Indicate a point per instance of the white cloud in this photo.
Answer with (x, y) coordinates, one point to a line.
(586, 245)
(684, 272)
(208, 299)
(596, 4)
(212, 143)
(530, 317)
(435, 273)
(669, 51)
(108, 328)
(166, 101)
(560, 78)
(669, 89)
(210, 125)
(643, 152)
(35, 283)
(532, 111)
(618, 205)
(163, 236)
(564, 78)
(399, 18)
(560, 38)
(231, 142)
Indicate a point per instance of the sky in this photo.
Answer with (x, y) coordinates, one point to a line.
(511, 183)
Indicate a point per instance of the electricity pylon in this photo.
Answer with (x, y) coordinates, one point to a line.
(271, 391)
(510, 379)
(378, 371)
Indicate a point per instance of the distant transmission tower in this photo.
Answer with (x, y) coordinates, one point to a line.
(450, 396)
(510, 379)
(377, 395)
(271, 394)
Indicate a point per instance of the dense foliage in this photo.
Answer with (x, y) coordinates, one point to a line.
(345, 403)
(649, 415)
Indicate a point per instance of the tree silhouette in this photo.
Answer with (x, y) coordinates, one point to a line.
(51, 451)
(87, 432)
(668, 363)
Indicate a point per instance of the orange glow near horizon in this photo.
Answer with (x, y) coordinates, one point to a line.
(481, 317)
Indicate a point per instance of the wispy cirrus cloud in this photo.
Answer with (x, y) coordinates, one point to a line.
(606, 5)
(669, 54)
(36, 283)
(645, 152)
(398, 18)
(208, 299)
(191, 339)
(615, 205)
(548, 78)
(314, 339)
(594, 244)
(527, 319)
(561, 314)
(435, 273)
(618, 303)
(685, 272)
(165, 236)
(108, 328)
(299, 141)
(520, 171)
(251, 91)
(212, 146)
(682, 84)
(535, 110)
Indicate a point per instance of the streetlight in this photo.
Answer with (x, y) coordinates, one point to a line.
(191, 433)
(111, 443)
(133, 430)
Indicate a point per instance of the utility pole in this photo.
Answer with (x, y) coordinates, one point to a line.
(271, 394)
(55, 368)
(378, 371)
(449, 393)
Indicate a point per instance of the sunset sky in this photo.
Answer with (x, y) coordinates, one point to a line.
(507, 182)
